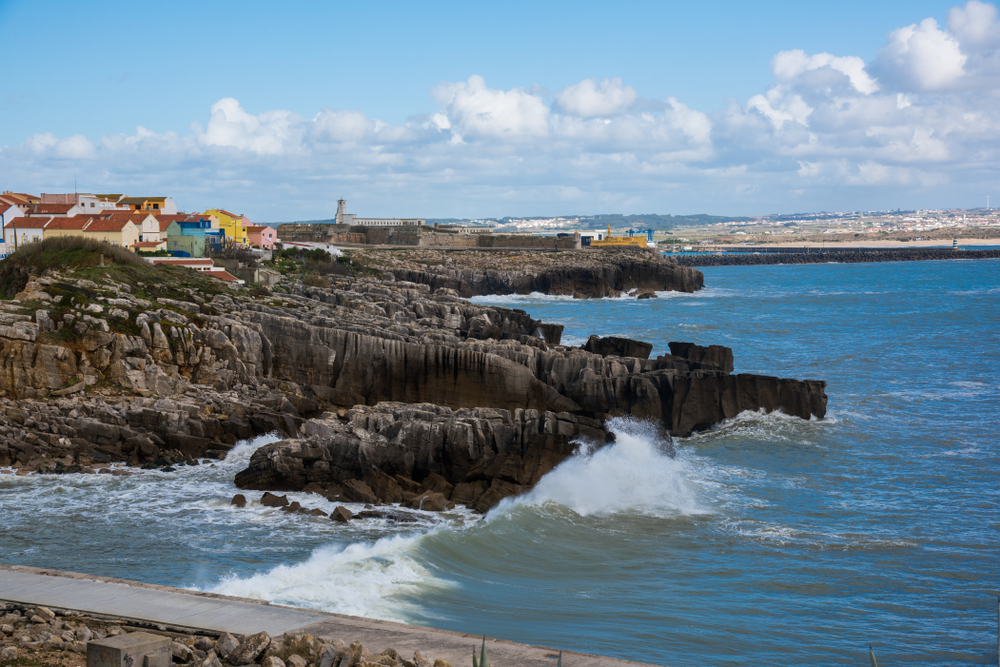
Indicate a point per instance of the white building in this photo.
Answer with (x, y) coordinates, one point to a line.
(350, 219)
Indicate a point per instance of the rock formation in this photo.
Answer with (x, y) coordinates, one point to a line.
(584, 275)
(379, 385)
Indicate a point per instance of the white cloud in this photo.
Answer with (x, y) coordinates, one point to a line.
(922, 119)
(270, 133)
(789, 65)
(473, 109)
(922, 57)
(974, 24)
(589, 98)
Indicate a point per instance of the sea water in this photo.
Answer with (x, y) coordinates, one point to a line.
(767, 540)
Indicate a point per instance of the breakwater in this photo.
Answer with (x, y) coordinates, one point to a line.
(840, 255)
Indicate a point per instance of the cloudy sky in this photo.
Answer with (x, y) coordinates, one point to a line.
(462, 109)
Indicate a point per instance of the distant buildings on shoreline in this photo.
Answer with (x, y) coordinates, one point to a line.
(140, 224)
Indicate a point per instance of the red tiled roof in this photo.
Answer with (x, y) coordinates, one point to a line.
(75, 222)
(4, 207)
(49, 209)
(27, 223)
(257, 228)
(220, 274)
(225, 212)
(147, 244)
(107, 225)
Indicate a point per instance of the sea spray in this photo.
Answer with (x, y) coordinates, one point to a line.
(637, 473)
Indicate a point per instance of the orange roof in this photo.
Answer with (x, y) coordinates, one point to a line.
(225, 212)
(49, 209)
(74, 222)
(107, 225)
(27, 223)
(4, 207)
(220, 274)
(147, 244)
(257, 228)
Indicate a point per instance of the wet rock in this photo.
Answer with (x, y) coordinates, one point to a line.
(717, 355)
(239, 500)
(430, 502)
(341, 514)
(250, 647)
(389, 515)
(271, 500)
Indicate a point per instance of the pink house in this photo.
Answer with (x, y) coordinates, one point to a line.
(262, 236)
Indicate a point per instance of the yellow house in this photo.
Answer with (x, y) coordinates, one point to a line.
(235, 226)
(116, 230)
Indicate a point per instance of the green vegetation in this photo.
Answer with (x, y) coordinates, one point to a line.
(315, 264)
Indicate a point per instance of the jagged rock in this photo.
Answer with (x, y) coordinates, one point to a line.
(225, 646)
(180, 652)
(716, 355)
(250, 647)
(271, 500)
(619, 347)
(204, 644)
(297, 661)
(272, 661)
(341, 514)
(430, 502)
(239, 500)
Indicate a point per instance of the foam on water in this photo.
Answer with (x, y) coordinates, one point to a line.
(635, 474)
(379, 580)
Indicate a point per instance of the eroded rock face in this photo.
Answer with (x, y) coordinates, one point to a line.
(387, 390)
(584, 275)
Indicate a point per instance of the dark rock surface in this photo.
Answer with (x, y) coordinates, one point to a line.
(618, 347)
(585, 275)
(386, 391)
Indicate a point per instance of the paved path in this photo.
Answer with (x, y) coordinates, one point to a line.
(191, 610)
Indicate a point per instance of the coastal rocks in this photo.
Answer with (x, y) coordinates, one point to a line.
(239, 500)
(580, 274)
(416, 441)
(716, 355)
(619, 347)
(249, 648)
(341, 514)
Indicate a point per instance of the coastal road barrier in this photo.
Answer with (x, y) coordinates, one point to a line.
(163, 607)
(137, 649)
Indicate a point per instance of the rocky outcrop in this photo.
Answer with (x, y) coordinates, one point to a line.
(714, 355)
(483, 455)
(584, 275)
(385, 389)
(618, 347)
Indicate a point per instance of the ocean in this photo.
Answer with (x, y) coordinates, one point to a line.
(767, 540)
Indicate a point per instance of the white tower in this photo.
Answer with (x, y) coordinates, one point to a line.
(341, 210)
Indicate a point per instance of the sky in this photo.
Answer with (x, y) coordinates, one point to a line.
(470, 110)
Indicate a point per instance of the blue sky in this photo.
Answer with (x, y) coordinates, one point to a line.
(479, 109)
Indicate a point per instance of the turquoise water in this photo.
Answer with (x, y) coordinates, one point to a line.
(769, 540)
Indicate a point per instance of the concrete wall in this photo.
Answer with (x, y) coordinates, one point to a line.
(529, 242)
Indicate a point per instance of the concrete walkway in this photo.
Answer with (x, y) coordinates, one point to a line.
(190, 610)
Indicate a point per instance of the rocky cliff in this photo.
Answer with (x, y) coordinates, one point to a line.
(384, 389)
(584, 275)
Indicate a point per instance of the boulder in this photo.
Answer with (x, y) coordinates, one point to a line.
(239, 500)
(430, 502)
(271, 500)
(225, 646)
(249, 648)
(341, 514)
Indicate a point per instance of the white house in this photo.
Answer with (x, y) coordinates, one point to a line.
(7, 213)
(28, 230)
